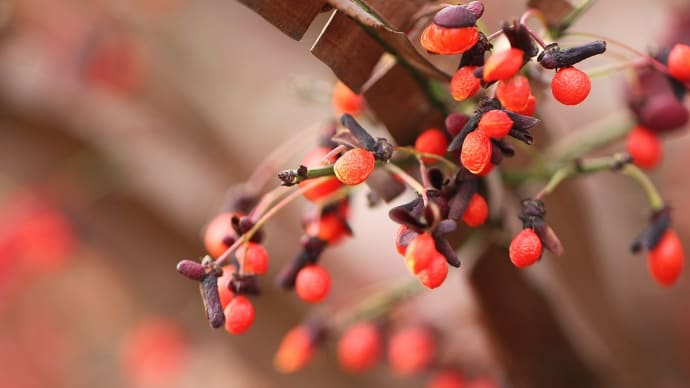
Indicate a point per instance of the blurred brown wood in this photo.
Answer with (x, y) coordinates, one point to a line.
(534, 350)
(292, 17)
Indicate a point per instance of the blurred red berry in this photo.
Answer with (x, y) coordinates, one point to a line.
(295, 350)
(330, 227)
(431, 141)
(326, 185)
(239, 315)
(495, 123)
(464, 84)
(503, 64)
(219, 234)
(434, 274)
(482, 382)
(420, 252)
(313, 283)
(346, 101)
(475, 154)
(570, 86)
(354, 166)
(411, 350)
(525, 249)
(114, 61)
(360, 347)
(448, 41)
(666, 260)
(679, 62)
(514, 92)
(253, 258)
(477, 211)
(446, 378)
(644, 147)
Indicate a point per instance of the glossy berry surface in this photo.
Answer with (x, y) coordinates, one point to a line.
(431, 141)
(666, 260)
(355, 166)
(503, 64)
(253, 258)
(239, 315)
(525, 249)
(475, 155)
(464, 84)
(495, 123)
(411, 350)
(360, 347)
(313, 283)
(345, 100)
(477, 211)
(448, 41)
(570, 86)
(644, 147)
(295, 350)
(679, 62)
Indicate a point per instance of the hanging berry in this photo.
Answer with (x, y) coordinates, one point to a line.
(431, 141)
(495, 123)
(644, 147)
(355, 166)
(453, 30)
(464, 84)
(475, 155)
(411, 350)
(679, 62)
(525, 249)
(253, 258)
(296, 349)
(360, 347)
(477, 211)
(666, 259)
(434, 274)
(313, 283)
(503, 64)
(514, 92)
(346, 101)
(239, 315)
(570, 86)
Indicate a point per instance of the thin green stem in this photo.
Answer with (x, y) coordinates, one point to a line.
(653, 196)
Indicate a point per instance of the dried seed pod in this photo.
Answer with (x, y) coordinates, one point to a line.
(553, 57)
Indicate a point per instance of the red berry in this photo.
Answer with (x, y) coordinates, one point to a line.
(679, 62)
(313, 283)
(411, 350)
(503, 64)
(455, 122)
(514, 92)
(224, 291)
(330, 228)
(483, 382)
(253, 258)
(239, 315)
(360, 347)
(525, 249)
(294, 351)
(476, 212)
(570, 86)
(448, 41)
(434, 274)
(495, 123)
(529, 108)
(666, 259)
(644, 147)
(354, 166)
(420, 252)
(446, 378)
(345, 100)
(432, 141)
(327, 185)
(464, 84)
(476, 152)
(219, 234)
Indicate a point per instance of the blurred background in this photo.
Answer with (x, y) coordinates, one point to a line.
(124, 122)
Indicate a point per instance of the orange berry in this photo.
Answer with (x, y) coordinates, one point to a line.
(503, 64)
(434, 274)
(495, 123)
(218, 233)
(224, 291)
(530, 108)
(360, 347)
(476, 152)
(313, 283)
(345, 100)
(476, 212)
(330, 227)
(411, 350)
(420, 253)
(570, 86)
(679, 62)
(432, 141)
(327, 185)
(464, 84)
(514, 92)
(239, 315)
(525, 249)
(446, 378)
(448, 41)
(354, 166)
(294, 351)
(666, 259)
(644, 147)
(253, 258)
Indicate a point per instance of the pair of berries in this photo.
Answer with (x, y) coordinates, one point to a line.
(501, 65)
(425, 262)
(476, 151)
